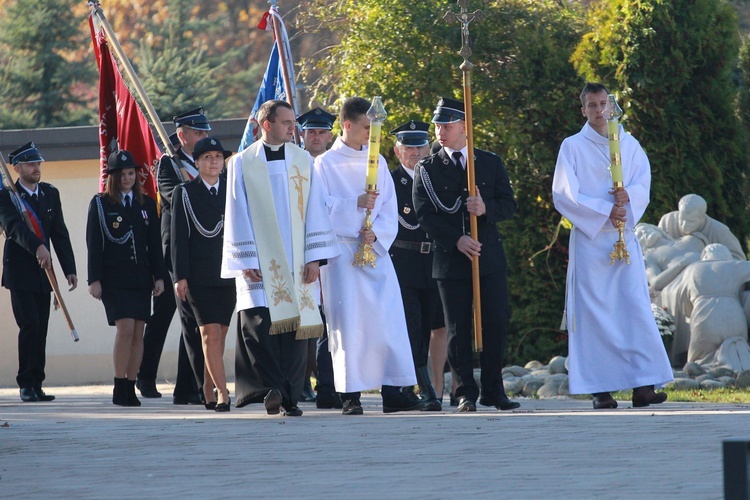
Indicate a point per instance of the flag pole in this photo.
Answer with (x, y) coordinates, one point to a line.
(49, 271)
(115, 44)
(465, 17)
(283, 61)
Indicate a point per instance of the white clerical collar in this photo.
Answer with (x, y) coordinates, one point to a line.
(409, 171)
(209, 186)
(273, 147)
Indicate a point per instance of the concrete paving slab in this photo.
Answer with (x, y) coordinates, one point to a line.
(82, 446)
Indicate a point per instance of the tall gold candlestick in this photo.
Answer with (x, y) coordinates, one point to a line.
(613, 113)
(376, 114)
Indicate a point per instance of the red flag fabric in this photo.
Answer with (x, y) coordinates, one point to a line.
(122, 125)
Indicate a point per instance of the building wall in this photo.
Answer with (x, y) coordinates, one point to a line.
(89, 360)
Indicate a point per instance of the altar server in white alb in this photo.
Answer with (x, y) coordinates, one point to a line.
(614, 343)
(367, 332)
(277, 233)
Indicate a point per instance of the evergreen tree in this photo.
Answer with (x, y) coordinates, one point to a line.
(39, 82)
(673, 63)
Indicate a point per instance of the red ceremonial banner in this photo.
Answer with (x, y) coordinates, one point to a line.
(122, 125)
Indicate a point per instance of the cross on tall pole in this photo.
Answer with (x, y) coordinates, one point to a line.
(465, 18)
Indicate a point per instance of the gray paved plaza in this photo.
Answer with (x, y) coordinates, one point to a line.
(81, 446)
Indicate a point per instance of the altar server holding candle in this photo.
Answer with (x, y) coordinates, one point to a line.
(613, 340)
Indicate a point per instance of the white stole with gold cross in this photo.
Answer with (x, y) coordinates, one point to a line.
(290, 301)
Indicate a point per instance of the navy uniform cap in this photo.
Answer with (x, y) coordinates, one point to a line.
(412, 134)
(25, 154)
(316, 118)
(195, 118)
(120, 159)
(448, 111)
(209, 144)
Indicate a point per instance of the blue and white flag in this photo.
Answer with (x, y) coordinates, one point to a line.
(272, 87)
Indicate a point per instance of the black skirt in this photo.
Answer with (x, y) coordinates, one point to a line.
(127, 303)
(212, 304)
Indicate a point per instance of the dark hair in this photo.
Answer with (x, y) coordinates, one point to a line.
(591, 88)
(267, 110)
(353, 108)
(112, 191)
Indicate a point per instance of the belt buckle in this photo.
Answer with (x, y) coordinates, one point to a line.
(425, 247)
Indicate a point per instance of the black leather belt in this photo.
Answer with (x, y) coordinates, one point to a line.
(417, 246)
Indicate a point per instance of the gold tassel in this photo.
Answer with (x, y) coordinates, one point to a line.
(309, 332)
(284, 326)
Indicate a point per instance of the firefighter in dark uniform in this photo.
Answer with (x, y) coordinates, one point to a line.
(125, 265)
(192, 126)
(443, 206)
(411, 253)
(197, 241)
(25, 258)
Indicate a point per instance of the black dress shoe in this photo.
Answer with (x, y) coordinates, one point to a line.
(500, 402)
(329, 401)
(644, 396)
(466, 405)
(604, 400)
(222, 407)
(272, 402)
(42, 396)
(211, 405)
(352, 407)
(432, 405)
(453, 400)
(28, 395)
(401, 402)
(292, 411)
(147, 388)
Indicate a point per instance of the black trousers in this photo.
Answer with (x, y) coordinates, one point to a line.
(189, 366)
(263, 361)
(31, 310)
(456, 296)
(419, 304)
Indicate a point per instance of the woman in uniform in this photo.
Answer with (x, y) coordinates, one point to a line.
(125, 265)
(197, 240)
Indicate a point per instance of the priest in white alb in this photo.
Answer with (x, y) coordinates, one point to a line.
(276, 234)
(613, 340)
(367, 332)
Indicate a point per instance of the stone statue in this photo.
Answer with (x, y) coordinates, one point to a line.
(691, 218)
(664, 256)
(711, 289)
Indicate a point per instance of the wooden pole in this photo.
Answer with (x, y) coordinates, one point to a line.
(50, 276)
(284, 66)
(465, 18)
(466, 68)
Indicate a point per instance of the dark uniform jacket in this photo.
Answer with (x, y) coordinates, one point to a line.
(169, 176)
(21, 270)
(437, 176)
(196, 257)
(413, 266)
(135, 263)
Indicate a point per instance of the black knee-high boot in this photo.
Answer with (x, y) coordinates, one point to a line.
(430, 401)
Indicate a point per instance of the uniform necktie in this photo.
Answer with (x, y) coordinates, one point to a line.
(213, 191)
(34, 199)
(127, 202)
(457, 159)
